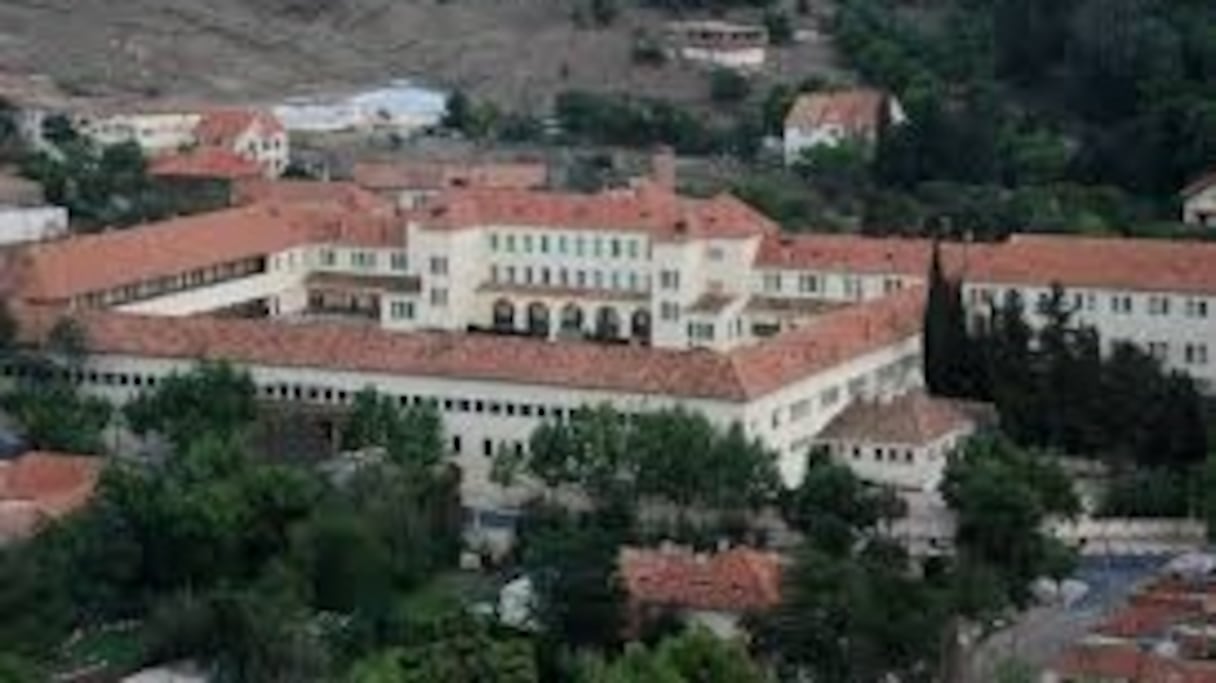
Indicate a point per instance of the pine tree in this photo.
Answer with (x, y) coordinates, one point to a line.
(948, 366)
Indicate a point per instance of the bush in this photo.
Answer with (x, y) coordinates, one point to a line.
(780, 28)
(728, 86)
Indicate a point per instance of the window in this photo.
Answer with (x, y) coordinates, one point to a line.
(701, 331)
(493, 273)
(579, 244)
(669, 279)
(439, 298)
(808, 284)
(1158, 305)
(829, 397)
(402, 310)
(614, 248)
(527, 244)
(487, 448)
(1196, 354)
(714, 254)
(328, 258)
(400, 261)
(772, 282)
(363, 260)
(852, 287)
(891, 284)
(493, 242)
(544, 244)
(1197, 308)
(633, 248)
(456, 444)
(562, 244)
(439, 265)
(1121, 304)
(1159, 350)
(597, 247)
(669, 310)
(510, 243)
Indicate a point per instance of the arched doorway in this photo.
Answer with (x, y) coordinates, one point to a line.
(538, 319)
(572, 320)
(639, 326)
(607, 323)
(504, 315)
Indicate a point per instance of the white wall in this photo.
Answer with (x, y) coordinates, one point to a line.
(1200, 208)
(32, 224)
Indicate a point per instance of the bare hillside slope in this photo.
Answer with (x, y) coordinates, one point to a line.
(518, 52)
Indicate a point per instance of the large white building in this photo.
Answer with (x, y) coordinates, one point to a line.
(503, 308)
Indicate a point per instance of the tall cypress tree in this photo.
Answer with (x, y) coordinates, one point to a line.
(947, 356)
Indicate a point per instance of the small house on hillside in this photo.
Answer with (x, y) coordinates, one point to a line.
(829, 119)
(409, 183)
(902, 442)
(713, 590)
(37, 488)
(1199, 202)
(718, 43)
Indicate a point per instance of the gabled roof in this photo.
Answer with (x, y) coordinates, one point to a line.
(222, 127)
(734, 376)
(736, 580)
(205, 162)
(1198, 185)
(40, 486)
(1180, 266)
(857, 111)
(913, 419)
(645, 208)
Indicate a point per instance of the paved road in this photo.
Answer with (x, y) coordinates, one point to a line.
(1042, 633)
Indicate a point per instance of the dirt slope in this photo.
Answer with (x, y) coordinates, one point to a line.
(518, 52)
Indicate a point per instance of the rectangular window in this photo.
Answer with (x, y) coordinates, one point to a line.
(669, 310)
(510, 243)
(439, 298)
(597, 247)
(328, 258)
(562, 244)
(808, 284)
(1197, 308)
(402, 310)
(456, 444)
(714, 253)
(1159, 350)
(400, 261)
(633, 248)
(527, 244)
(1158, 305)
(1196, 354)
(614, 248)
(439, 265)
(772, 282)
(669, 279)
(493, 242)
(578, 245)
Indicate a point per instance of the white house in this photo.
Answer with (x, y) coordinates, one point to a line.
(1199, 202)
(718, 43)
(828, 119)
(903, 442)
(254, 134)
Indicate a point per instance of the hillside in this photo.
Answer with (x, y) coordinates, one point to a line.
(518, 52)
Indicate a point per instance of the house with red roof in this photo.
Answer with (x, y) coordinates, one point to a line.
(253, 134)
(1199, 202)
(829, 119)
(901, 441)
(713, 590)
(40, 487)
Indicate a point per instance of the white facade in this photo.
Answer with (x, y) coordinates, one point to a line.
(32, 224)
(1199, 207)
(155, 133)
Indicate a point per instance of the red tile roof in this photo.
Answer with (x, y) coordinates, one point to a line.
(735, 376)
(1126, 662)
(858, 112)
(646, 208)
(439, 175)
(829, 340)
(206, 162)
(222, 127)
(39, 486)
(56, 271)
(913, 419)
(736, 580)
(1140, 621)
(1024, 259)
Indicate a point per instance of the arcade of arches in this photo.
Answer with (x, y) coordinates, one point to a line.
(606, 323)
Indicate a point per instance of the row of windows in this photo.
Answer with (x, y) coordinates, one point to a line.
(1192, 353)
(194, 279)
(401, 310)
(365, 260)
(561, 277)
(810, 283)
(579, 245)
(1119, 304)
(886, 376)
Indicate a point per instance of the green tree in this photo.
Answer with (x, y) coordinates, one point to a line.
(947, 356)
(213, 397)
(693, 656)
(780, 27)
(834, 509)
(53, 416)
(1001, 496)
(408, 435)
(1209, 494)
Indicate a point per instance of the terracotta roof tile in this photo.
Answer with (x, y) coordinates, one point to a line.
(1025, 259)
(1127, 662)
(856, 111)
(205, 162)
(736, 580)
(441, 175)
(222, 127)
(832, 339)
(914, 418)
(646, 208)
(49, 484)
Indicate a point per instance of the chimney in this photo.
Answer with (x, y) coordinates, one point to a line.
(663, 168)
